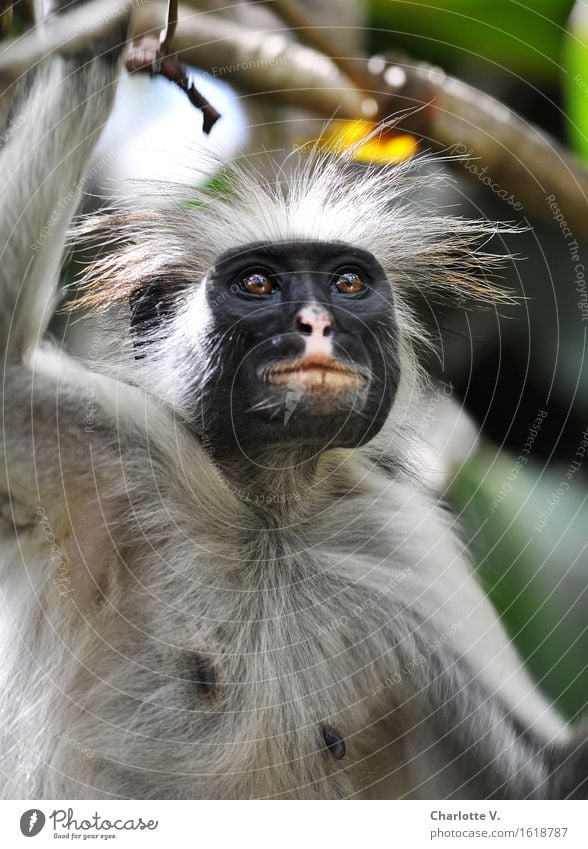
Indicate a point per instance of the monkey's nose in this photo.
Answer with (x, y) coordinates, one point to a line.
(313, 321)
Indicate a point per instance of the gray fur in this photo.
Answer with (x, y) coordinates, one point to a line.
(168, 632)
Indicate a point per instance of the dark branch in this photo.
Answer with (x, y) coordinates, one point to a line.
(168, 35)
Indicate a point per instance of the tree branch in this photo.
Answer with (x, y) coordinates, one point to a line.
(317, 37)
(453, 116)
(512, 153)
(68, 34)
(157, 57)
(168, 34)
(262, 63)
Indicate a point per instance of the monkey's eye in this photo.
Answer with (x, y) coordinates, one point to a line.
(349, 283)
(257, 284)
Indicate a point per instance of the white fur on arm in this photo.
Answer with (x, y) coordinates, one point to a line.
(55, 118)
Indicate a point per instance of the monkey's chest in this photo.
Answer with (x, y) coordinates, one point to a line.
(253, 694)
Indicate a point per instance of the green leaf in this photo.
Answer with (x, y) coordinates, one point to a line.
(575, 79)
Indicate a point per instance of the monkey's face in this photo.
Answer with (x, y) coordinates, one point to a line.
(309, 345)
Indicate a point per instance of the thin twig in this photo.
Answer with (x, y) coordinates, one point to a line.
(176, 73)
(156, 56)
(262, 64)
(168, 34)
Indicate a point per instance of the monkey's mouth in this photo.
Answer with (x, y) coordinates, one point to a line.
(316, 374)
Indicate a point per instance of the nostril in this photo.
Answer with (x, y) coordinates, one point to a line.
(303, 326)
(327, 329)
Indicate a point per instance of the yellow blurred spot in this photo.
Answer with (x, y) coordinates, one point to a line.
(367, 144)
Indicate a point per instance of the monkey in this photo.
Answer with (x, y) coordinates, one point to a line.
(222, 574)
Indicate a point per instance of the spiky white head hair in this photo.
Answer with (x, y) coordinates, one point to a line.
(317, 196)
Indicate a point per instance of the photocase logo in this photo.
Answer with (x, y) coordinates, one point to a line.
(32, 822)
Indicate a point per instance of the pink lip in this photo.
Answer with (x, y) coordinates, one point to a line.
(316, 372)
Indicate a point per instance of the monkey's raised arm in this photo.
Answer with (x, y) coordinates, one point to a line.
(56, 114)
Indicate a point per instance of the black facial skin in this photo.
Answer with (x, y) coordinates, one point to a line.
(149, 308)
(240, 408)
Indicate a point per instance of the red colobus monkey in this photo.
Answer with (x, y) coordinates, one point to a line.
(221, 577)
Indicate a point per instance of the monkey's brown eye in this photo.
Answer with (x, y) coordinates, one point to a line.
(349, 283)
(257, 284)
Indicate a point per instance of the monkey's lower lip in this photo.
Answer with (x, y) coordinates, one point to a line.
(316, 374)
